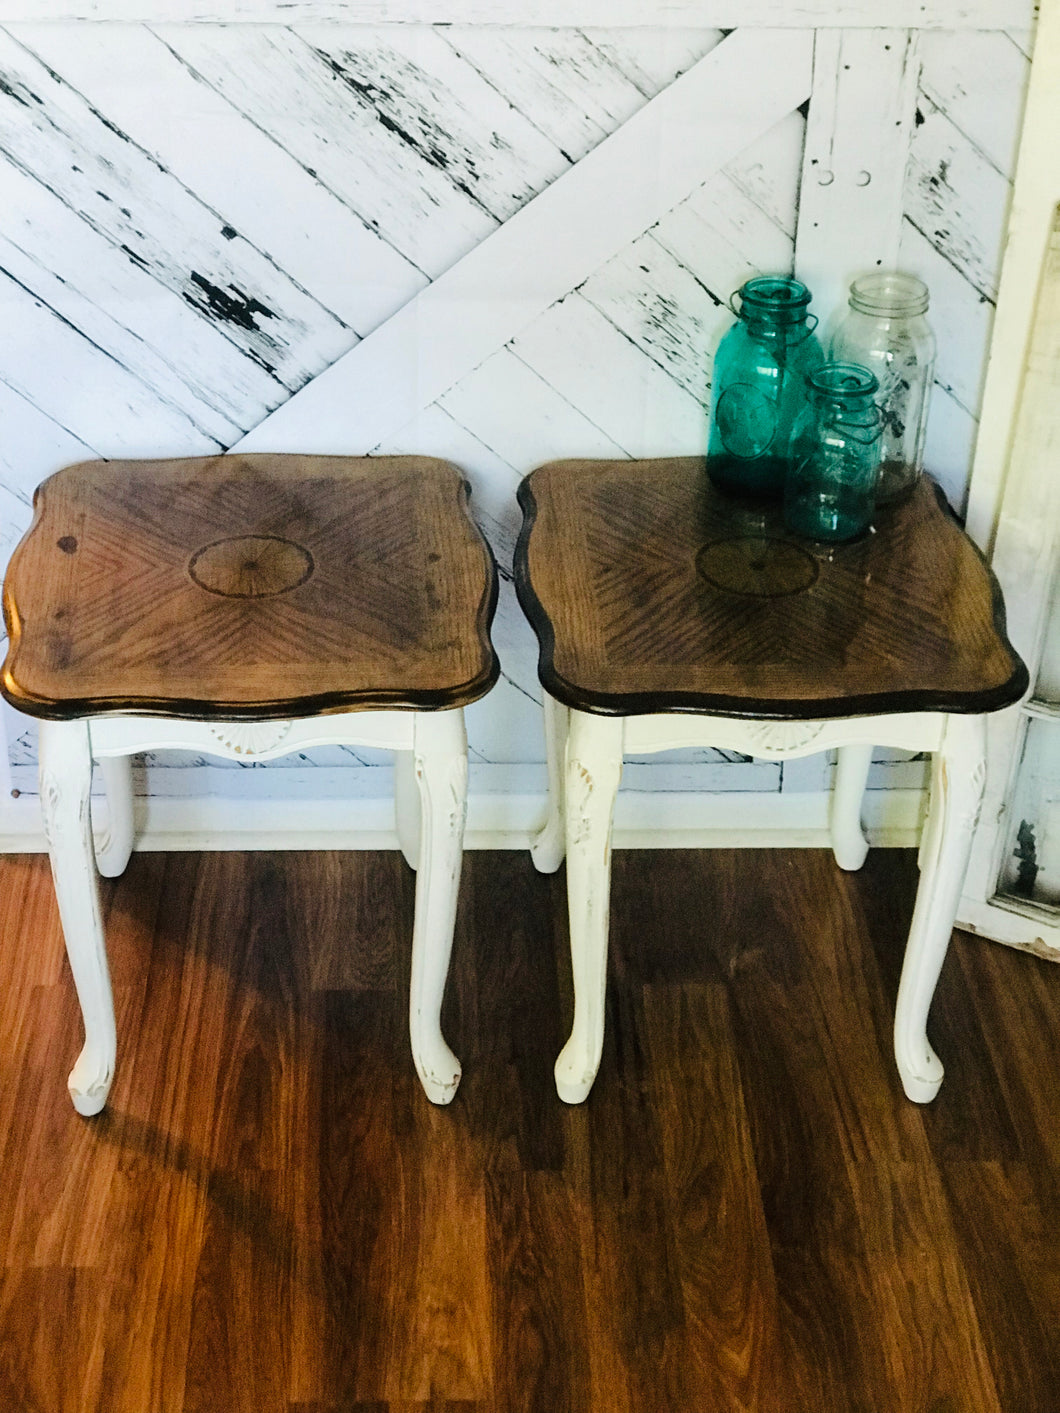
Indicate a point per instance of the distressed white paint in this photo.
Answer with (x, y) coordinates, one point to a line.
(113, 841)
(574, 348)
(550, 427)
(548, 246)
(957, 198)
(437, 745)
(32, 446)
(124, 313)
(972, 95)
(51, 133)
(83, 386)
(1034, 198)
(1026, 560)
(857, 149)
(979, 81)
(724, 14)
(131, 76)
(594, 750)
(576, 89)
(505, 808)
(394, 122)
(65, 778)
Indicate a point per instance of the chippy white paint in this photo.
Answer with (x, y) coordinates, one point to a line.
(548, 247)
(857, 150)
(434, 742)
(1026, 560)
(1034, 198)
(583, 809)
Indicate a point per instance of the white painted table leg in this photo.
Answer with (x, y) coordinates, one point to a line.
(594, 767)
(407, 806)
(954, 810)
(65, 783)
(114, 842)
(441, 772)
(849, 844)
(929, 835)
(549, 847)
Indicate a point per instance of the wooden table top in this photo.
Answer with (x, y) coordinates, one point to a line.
(249, 587)
(649, 591)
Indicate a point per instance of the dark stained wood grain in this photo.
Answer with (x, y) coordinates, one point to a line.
(650, 591)
(249, 586)
(747, 1214)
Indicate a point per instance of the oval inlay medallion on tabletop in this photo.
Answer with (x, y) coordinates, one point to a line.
(761, 566)
(250, 566)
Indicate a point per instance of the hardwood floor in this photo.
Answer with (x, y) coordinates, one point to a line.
(747, 1214)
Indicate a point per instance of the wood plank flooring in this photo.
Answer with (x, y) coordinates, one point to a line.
(746, 1215)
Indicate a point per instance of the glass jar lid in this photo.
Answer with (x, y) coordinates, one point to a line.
(774, 299)
(889, 294)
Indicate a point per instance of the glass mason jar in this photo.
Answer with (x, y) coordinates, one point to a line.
(886, 331)
(831, 489)
(760, 373)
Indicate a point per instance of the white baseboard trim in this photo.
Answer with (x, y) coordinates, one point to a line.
(678, 819)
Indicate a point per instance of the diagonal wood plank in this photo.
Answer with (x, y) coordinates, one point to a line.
(739, 90)
(56, 137)
(111, 408)
(263, 193)
(97, 291)
(857, 147)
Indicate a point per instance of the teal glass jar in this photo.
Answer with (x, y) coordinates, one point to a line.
(831, 489)
(760, 374)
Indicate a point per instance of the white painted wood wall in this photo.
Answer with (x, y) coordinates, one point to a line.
(352, 227)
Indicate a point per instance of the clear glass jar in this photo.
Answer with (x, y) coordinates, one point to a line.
(831, 489)
(760, 373)
(887, 332)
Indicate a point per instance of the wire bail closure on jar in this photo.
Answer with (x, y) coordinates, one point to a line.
(775, 300)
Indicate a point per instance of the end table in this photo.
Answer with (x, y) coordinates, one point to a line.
(669, 616)
(249, 606)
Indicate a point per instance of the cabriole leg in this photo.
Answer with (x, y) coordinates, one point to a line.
(407, 806)
(955, 800)
(849, 844)
(594, 767)
(65, 783)
(441, 772)
(114, 843)
(548, 848)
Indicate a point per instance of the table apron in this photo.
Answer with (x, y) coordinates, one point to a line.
(781, 740)
(252, 740)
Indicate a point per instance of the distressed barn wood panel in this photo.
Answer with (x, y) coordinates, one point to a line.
(401, 127)
(958, 191)
(611, 71)
(857, 147)
(501, 241)
(957, 198)
(49, 131)
(62, 373)
(724, 14)
(122, 310)
(737, 91)
(265, 195)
